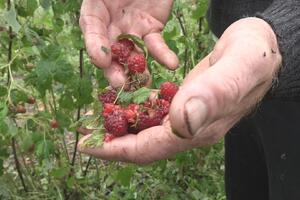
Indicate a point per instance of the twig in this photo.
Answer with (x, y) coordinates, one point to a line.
(183, 29)
(17, 163)
(13, 141)
(87, 166)
(79, 108)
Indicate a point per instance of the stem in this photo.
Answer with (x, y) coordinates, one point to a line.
(183, 29)
(54, 101)
(87, 166)
(10, 43)
(17, 163)
(13, 141)
(79, 109)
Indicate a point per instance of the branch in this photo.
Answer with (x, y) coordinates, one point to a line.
(79, 108)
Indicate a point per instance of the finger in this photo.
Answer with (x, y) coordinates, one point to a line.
(115, 75)
(203, 65)
(150, 145)
(84, 131)
(160, 51)
(94, 19)
(218, 91)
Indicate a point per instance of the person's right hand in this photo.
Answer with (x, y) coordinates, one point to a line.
(102, 21)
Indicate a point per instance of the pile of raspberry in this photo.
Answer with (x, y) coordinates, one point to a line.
(120, 120)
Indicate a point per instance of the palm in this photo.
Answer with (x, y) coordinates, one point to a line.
(102, 21)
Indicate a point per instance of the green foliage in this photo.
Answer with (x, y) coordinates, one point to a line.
(47, 45)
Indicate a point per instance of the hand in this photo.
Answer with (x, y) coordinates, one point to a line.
(219, 91)
(102, 21)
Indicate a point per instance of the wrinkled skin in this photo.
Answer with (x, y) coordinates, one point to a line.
(223, 87)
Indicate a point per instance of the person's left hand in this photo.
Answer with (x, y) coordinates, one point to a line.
(218, 92)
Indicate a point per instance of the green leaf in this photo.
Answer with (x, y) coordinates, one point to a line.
(95, 140)
(201, 10)
(63, 71)
(71, 182)
(12, 128)
(66, 101)
(45, 4)
(44, 148)
(60, 172)
(141, 95)
(102, 81)
(3, 91)
(18, 96)
(63, 119)
(41, 78)
(124, 176)
(3, 110)
(125, 97)
(138, 41)
(3, 127)
(11, 19)
(32, 5)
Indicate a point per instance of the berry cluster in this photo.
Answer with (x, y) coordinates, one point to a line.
(120, 120)
(123, 52)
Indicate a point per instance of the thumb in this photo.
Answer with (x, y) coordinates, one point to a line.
(211, 93)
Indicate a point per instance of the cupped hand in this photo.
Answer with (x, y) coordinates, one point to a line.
(224, 87)
(102, 21)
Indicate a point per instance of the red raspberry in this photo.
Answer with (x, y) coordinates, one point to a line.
(148, 104)
(168, 91)
(127, 43)
(131, 112)
(108, 137)
(31, 100)
(109, 108)
(122, 49)
(54, 124)
(163, 105)
(116, 123)
(146, 120)
(136, 63)
(20, 109)
(108, 96)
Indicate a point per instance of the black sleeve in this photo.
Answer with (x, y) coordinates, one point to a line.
(284, 17)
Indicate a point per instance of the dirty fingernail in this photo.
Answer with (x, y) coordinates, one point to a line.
(195, 115)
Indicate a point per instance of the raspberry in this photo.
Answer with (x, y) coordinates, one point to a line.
(163, 105)
(108, 137)
(109, 108)
(116, 123)
(20, 109)
(31, 100)
(136, 63)
(168, 91)
(122, 49)
(146, 120)
(54, 124)
(127, 43)
(131, 112)
(108, 96)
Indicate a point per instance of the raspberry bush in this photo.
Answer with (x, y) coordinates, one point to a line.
(50, 91)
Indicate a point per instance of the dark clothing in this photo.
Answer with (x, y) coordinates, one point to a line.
(262, 152)
(284, 17)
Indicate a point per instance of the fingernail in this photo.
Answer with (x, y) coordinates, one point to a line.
(195, 115)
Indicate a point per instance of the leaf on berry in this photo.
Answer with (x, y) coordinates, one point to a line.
(125, 97)
(138, 41)
(141, 95)
(89, 122)
(95, 140)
